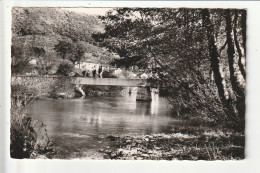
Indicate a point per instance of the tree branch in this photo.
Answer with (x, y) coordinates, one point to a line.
(223, 47)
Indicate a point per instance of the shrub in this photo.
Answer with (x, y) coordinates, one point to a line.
(65, 69)
(22, 136)
(28, 137)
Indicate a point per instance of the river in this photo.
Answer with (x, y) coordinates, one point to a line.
(78, 128)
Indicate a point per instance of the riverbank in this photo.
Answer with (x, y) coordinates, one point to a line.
(190, 140)
(29, 138)
(194, 144)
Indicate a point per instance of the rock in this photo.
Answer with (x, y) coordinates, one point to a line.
(138, 141)
(145, 155)
(99, 93)
(146, 139)
(144, 151)
(120, 150)
(157, 148)
(134, 144)
(128, 141)
(61, 95)
(41, 157)
(133, 152)
(113, 154)
(194, 158)
(139, 149)
(150, 152)
(108, 151)
(125, 152)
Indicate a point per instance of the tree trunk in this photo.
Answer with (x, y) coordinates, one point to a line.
(240, 102)
(243, 23)
(214, 56)
(240, 65)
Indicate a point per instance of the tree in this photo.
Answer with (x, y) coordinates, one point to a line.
(37, 51)
(20, 63)
(64, 48)
(78, 52)
(74, 51)
(214, 55)
(65, 69)
(238, 90)
(184, 47)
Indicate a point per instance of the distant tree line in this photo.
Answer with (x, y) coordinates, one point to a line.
(53, 36)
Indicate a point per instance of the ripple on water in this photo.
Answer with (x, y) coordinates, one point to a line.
(79, 127)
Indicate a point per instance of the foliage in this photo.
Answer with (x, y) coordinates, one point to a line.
(78, 52)
(22, 137)
(28, 137)
(184, 49)
(47, 21)
(62, 85)
(38, 31)
(64, 48)
(20, 64)
(37, 51)
(74, 51)
(65, 69)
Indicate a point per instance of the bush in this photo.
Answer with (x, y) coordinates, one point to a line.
(21, 95)
(62, 85)
(28, 137)
(22, 136)
(65, 69)
(20, 62)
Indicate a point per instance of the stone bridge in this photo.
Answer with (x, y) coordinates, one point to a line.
(143, 93)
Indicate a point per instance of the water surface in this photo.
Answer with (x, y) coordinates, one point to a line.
(79, 127)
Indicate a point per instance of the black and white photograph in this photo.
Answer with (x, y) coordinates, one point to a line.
(128, 83)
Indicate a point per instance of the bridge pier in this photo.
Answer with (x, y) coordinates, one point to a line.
(80, 90)
(143, 94)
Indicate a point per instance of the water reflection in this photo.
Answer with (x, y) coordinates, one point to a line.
(155, 104)
(81, 122)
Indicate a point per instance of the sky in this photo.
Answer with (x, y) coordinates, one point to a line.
(90, 11)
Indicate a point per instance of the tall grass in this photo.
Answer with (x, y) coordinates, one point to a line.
(23, 135)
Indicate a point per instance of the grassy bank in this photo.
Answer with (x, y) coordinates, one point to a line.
(185, 143)
(29, 137)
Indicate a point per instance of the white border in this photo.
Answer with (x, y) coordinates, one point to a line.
(250, 164)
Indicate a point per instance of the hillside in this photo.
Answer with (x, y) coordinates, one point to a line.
(35, 29)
